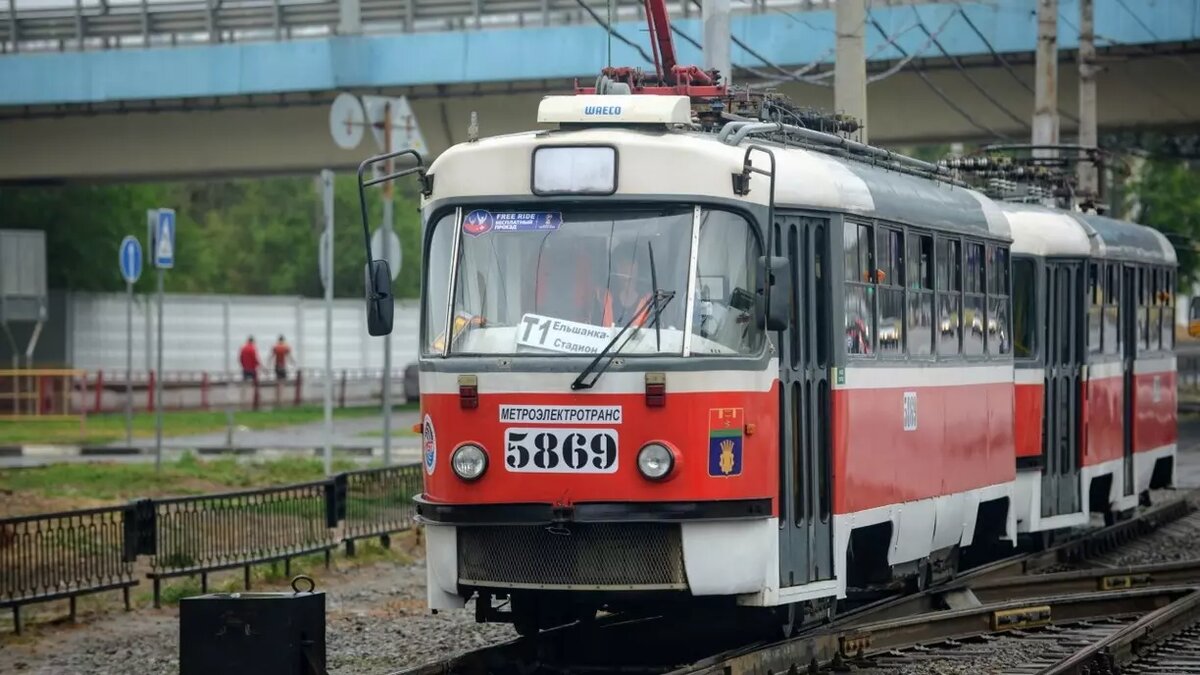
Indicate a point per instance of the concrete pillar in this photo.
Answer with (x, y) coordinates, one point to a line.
(1045, 106)
(349, 17)
(1089, 184)
(850, 66)
(716, 38)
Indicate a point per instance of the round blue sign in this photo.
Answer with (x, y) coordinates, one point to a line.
(131, 259)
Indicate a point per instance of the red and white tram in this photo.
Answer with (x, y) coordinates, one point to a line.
(626, 401)
(1095, 369)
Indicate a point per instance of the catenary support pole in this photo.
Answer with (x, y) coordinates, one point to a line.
(850, 65)
(1089, 186)
(717, 38)
(1045, 105)
(327, 195)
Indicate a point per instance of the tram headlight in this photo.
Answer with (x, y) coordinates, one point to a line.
(655, 461)
(469, 461)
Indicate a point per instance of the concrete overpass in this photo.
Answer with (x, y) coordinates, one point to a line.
(248, 107)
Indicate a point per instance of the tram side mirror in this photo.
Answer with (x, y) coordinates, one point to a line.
(380, 304)
(773, 273)
(1194, 317)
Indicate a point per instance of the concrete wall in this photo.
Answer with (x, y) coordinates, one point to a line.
(205, 332)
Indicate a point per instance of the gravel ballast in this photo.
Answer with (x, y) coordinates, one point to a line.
(376, 622)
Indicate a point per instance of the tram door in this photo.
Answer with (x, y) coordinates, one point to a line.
(805, 496)
(1129, 346)
(1064, 379)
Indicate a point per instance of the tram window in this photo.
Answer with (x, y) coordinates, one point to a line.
(890, 278)
(587, 266)
(1112, 309)
(860, 325)
(974, 316)
(1095, 308)
(726, 264)
(1156, 313)
(948, 278)
(1024, 302)
(919, 270)
(998, 336)
(436, 284)
(857, 245)
(1143, 310)
(1168, 310)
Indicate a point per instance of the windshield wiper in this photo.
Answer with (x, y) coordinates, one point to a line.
(656, 302)
(657, 310)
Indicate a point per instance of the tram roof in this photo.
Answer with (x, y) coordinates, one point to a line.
(1128, 241)
(660, 162)
(1043, 231)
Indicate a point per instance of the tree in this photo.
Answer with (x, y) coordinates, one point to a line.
(1166, 196)
(251, 236)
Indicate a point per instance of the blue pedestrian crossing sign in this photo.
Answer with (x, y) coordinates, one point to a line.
(131, 259)
(164, 239)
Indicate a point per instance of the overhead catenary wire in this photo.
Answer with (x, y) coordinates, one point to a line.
(1137, 17)
(907, 58)
(958, 65)
(941, 94)
(1112, 42)
(612, 31)
(1003, 61)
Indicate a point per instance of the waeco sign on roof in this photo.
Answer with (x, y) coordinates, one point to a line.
(603, 109)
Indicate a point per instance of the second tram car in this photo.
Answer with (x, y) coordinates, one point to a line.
(661, 365)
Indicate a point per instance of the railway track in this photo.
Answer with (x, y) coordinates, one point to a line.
(1041, 609)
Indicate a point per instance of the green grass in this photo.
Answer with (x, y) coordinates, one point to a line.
(185, 476)
(109, 428)
(270, 576)
(396, 431)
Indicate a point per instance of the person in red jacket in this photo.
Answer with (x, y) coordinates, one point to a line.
(249, 359)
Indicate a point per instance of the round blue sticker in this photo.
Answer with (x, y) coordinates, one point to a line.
(429, 445)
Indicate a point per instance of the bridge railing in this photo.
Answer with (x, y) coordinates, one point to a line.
(101, 24)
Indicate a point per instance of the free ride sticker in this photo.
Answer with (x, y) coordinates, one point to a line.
(481, 221)
(558, 335)
(532, 450)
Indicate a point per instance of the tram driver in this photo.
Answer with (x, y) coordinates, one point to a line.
(629, 289)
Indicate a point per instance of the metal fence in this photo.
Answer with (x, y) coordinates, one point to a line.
(376, 503)
(92, 24)
(198, 535)
(64, 555)
(53, 556)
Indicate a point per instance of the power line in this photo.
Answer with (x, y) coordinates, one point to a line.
(907, 58)
(1164, 98)
(1004, 62)
(1153, 35)
(612, 31)
(941, 94)
(957, 64)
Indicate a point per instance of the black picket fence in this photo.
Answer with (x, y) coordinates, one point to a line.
(65, 555)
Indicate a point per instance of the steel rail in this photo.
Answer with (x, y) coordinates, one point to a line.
(887, 623)
(836, 647)
(1007, 571)
(1107, 655)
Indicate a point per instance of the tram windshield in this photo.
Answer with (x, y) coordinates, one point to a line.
(563, 282)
